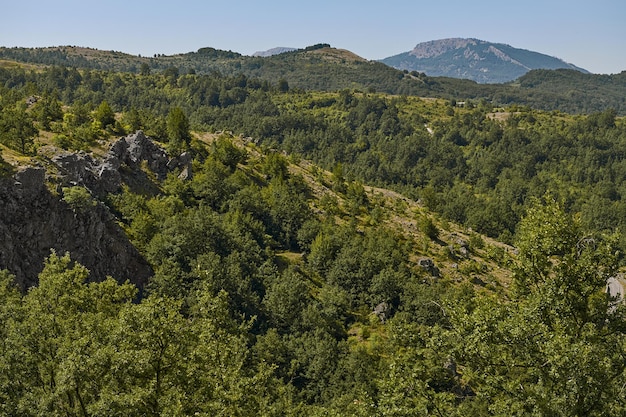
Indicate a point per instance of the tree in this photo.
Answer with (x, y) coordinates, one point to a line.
(428, 227)
(61, 335)
(283, 85)
(145, 69)
(11, 368)
(16, 128)
(288, 209)
(225, 151)
(78, 198)
(178, 133)
(418, 378)
(149, 365)
(276, 166)
(285, 299)
(557, 347)
(48, 110)
(104, 115)
(171, 72)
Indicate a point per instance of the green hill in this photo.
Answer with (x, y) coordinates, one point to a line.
(321, 67)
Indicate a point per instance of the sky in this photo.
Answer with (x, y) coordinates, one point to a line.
(589, 34)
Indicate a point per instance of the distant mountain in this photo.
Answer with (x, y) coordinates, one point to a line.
(274, 51)
(474, 59)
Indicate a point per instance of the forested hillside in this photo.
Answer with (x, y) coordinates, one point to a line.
(466, 163)
(290, 276)
(320, 67)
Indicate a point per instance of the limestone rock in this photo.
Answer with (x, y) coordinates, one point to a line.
(103, 176)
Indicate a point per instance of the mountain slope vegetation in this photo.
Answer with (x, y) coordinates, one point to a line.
(320, 67)
(322, 253)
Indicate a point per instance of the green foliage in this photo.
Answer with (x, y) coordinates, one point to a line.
(415, 381)
(477, 167)
(145, 69)
(554, 350)
(63, 331)
(78, 198)
(223, 150)
(275, 166)
(72, 348)
(78, 129)
(428, 227)
(104, 115)
(308, 69)
(178, 134)
(48, 110)
(260, 306)
(285, 300)
(288, 210)
(16, 128)
(283, 85)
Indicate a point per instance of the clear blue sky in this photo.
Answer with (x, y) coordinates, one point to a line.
(590, 34)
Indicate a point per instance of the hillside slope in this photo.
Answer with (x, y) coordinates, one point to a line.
(285, 289)
(320, 67)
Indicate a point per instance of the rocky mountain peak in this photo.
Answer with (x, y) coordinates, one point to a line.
(432, 49)
(273, 51)
(474, 59)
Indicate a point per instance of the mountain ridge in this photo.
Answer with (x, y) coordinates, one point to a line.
(478, 60)
(274, 51)
(324, 68)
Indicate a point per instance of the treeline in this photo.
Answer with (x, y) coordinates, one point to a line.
(322, 68)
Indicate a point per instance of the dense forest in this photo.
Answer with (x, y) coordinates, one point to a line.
(466, 163)
(283, 287)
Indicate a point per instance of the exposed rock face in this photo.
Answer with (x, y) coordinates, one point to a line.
(474, 59)
(428, 265)
(274, 51)
(103, 176)
(33, 221)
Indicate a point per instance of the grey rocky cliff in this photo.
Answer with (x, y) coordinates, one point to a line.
(34, 220)
(130, 152)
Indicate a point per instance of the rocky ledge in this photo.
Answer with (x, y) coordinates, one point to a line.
(35, 220)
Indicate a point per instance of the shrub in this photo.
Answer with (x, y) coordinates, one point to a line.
(78, 198)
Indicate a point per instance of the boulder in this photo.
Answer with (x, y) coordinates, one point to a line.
(428, 265)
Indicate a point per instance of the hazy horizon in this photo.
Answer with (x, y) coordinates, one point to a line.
(589, 35)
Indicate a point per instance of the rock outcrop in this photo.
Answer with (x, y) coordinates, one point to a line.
(104, 176)
(428, 265)
(34, 220)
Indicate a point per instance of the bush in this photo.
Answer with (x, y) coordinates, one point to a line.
(78, 198)
(429, 228)
(6, 169)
